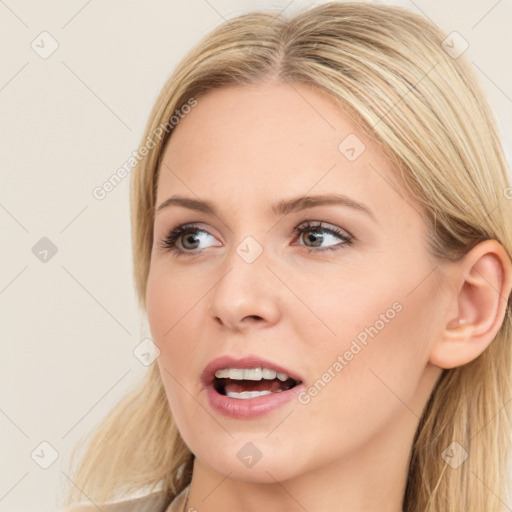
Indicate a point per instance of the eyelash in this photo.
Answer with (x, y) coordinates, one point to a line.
(169, 242)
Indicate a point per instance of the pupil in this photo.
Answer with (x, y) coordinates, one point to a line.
(315, 238)
(188, 238)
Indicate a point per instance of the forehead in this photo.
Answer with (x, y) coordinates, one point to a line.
(262, 143)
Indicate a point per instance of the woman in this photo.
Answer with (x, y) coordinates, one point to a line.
(322, 243)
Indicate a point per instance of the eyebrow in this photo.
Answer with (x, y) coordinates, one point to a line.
(282, 207)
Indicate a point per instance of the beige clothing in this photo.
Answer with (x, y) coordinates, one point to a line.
(178, 503)
(154, 502)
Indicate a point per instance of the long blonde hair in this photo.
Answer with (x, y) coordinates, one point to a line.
(424, 106)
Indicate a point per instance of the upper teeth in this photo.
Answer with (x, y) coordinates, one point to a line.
(250, 374)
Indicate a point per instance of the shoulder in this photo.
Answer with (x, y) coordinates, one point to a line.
(154, 502)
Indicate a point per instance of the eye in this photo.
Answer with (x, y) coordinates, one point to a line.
(190, 236)
(185, 239)
(315, 236)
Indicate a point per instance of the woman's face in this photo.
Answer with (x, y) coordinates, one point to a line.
(347, 307)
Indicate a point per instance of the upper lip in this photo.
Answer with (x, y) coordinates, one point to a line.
(250, 361)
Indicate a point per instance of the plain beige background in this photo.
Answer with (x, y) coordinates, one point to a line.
(68, 120)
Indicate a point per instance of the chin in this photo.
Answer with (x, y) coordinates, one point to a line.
(258, 461)
(264, 472)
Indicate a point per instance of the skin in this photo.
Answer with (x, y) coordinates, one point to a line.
(244, 148)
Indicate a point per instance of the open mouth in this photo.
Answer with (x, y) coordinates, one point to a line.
(251, 382)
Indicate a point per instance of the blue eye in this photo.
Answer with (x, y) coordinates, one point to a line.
(183, 240)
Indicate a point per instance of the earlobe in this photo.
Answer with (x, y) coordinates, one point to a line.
(483, 281)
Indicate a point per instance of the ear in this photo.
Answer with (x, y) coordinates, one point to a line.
(481, 285)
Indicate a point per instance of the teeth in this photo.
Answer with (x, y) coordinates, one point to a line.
(222, 374)
(248, 394)
(235, 374)
(269, 374)
(250, 374)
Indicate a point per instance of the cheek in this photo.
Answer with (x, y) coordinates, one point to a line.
(167, 315)
(171, 301)
(373, 360)
(384, 305)
(374, 385)
(174, 308)
(160, 303)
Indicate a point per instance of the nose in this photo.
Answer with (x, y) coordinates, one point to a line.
(247, 294)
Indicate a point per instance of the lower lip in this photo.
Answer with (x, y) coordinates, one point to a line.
(249, 408)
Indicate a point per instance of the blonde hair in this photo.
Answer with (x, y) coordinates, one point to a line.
(426, 109)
